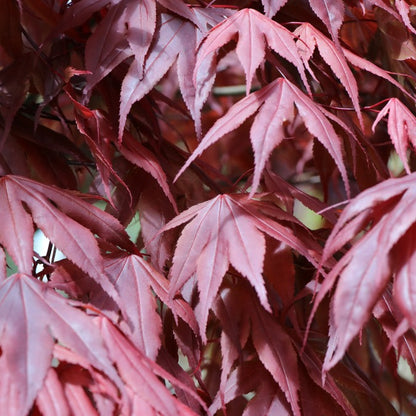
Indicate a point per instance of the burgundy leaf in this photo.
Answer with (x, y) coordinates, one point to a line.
(154, 212)
(14, 84)
(369, 66)
(365, 269)
(142, 157)
(309, 38)
(274, 104)
(63, 218)
(277, 354)
(107, 47)
(33, 316)
(268, 401)
(172, 34)
(401, 126)
(140, 376)
(251, 43)
(79, 12)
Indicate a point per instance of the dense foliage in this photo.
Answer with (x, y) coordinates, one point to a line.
(231, 189)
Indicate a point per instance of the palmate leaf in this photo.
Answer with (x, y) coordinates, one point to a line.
(275, 105)
(388, 211)
(227, 229)
(277, 354)
(135, 280)
(148, 396)
(67, 220)
(32, 317)
(401, 125)
(331, 12)
(173, 32)
(255, 32)
(309, 38)
(271, 7)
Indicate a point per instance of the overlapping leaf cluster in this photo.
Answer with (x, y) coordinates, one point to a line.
(232, 190)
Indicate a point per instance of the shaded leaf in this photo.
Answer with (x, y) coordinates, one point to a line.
(277, 354)
(271, 7)
(141, 376)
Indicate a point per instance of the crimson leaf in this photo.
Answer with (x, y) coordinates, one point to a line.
(32, 318)
(274, 104)
(226, 229)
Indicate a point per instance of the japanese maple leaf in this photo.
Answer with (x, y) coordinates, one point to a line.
(167, 48)
(309, 38)
(100, 137)
(32, 318)
(401, 126)
(75, 387)
(141, 377)
(226, 229)
(90, 123)
(14, 85)
(126, 29)
(274, 105)
(277, 354)
(255, 31)
(388, 211)
(271, 7)
(331, 12)
(68, 221)
(135, 280)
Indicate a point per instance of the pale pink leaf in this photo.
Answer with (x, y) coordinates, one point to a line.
(64, 219)
(141, 26)
(365, 269)
(141, 375)
(404, 9)
(218, 235)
